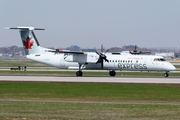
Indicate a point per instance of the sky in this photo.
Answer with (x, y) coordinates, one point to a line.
(90, 23)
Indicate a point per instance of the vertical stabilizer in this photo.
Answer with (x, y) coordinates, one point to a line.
(29, 40)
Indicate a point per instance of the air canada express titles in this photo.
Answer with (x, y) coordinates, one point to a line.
(132, 66)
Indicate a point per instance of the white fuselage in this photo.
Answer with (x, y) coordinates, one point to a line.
(116, 62)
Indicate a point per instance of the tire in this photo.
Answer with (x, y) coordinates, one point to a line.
(166, 74)
(112, 73)
(79, 73)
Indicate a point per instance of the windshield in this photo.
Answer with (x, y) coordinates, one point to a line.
(159, 59)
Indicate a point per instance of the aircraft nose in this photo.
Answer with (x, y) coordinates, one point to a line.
(171, 67)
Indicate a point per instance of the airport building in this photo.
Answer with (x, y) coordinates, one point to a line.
(176, 54)
(170, 54)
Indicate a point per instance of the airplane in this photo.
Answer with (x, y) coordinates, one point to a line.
(65, 59)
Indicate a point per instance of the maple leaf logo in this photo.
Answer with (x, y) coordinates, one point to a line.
(27, 43)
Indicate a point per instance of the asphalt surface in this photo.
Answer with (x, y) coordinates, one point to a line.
(86, 79)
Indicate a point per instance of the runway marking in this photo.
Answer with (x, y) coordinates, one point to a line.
(88, 102)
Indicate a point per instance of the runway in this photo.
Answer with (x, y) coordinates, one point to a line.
(90, 79)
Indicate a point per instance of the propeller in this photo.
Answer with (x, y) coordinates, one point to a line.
(136, 52)
(135, 48)
(101, 58)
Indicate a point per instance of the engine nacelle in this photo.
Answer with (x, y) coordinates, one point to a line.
(69, 58)
(85, 58)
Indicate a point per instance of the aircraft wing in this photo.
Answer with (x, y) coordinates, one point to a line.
(64, 51)
(139, 52)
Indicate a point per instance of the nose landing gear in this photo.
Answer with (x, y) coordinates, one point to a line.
(166, 74)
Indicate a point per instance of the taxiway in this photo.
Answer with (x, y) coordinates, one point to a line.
(117, 79)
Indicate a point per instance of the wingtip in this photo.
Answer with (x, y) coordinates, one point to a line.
(7, 28)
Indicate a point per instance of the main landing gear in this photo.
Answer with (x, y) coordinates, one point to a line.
(112, 73)
(166, 74)
(79, 73)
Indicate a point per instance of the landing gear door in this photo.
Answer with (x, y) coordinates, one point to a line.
(62, 62)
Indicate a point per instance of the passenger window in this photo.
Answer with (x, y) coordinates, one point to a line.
(112, 60)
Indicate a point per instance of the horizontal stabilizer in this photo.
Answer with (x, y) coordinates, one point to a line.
(25, 28)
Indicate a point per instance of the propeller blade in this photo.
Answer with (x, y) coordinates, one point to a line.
(101, 65)
(106, 60)
(135, 49)
(98, 53)
(106, 51)
(98, 61)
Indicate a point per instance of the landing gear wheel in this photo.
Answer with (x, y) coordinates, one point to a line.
(79, 73)
(166, 74)
(112, 73)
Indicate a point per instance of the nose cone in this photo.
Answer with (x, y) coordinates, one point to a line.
(171, 67)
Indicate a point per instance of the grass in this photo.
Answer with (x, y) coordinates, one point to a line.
(177, 66)
(141, 93)
(16, 63)
(154, 93)
(73, 111)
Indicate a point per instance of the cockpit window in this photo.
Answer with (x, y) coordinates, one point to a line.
(159, 59)
(162, 59)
